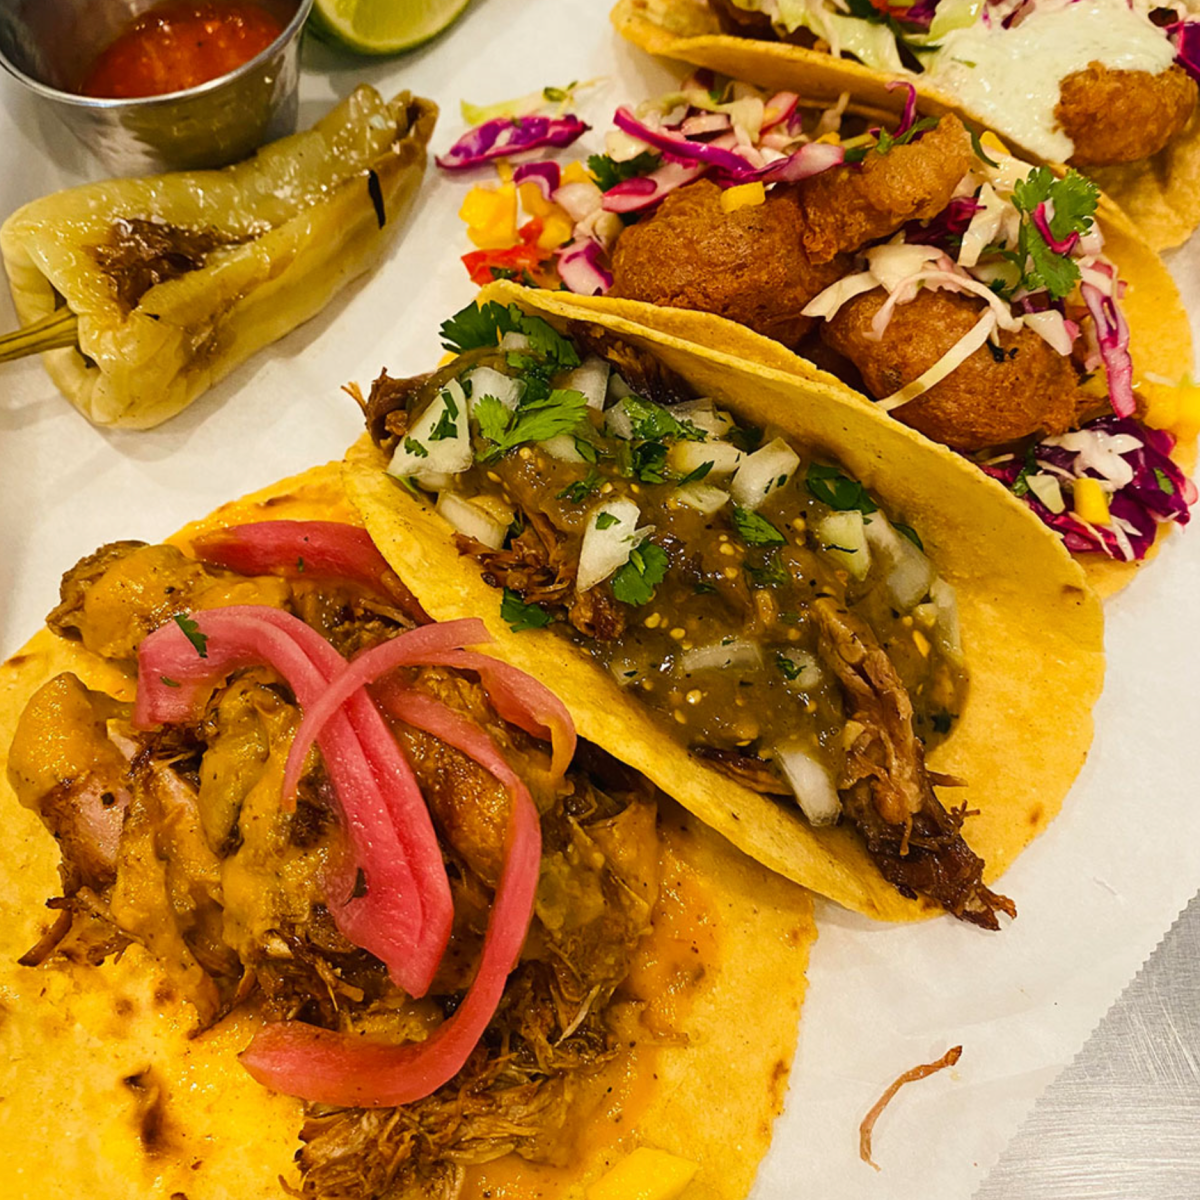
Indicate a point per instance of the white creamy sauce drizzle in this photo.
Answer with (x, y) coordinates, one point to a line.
(1011, 77)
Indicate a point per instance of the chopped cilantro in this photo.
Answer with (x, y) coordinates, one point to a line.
(1020, 485)
(415, 448)
(475, 326)
(521, 616)
(789, 618)
(1164, 481)
(980, 152)
(586, 450)
(887, 140)
(581, 489)
(608, 173)
(745, 438)
(649, 462)
(651, 421)
(839, 491)
(909, 532)
(699, 473)
(791, 670)
(192, 632)
(1074, 199)
(755, 530)
(445, 427)
(545, 340)
(772, 573)
(300, 565)
(865, 10)
(605, 520)
(557, 95)
(167, 682)
(635, 582)
(534, 421)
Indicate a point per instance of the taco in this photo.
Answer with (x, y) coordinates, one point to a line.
(753, 589)
(1106, 86)
(1002, 310)
(194, 911)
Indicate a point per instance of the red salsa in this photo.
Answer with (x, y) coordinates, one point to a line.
(179, 45)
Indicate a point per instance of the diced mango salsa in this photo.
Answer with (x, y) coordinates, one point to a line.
(1091, 504)
(745, 195)
(833, 138)
(491, 216)
(534, 202)
(646, 1174)
(557, 228)
(576, 172)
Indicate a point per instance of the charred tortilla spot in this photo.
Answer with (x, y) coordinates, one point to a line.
(165, 994)
(151, 1109)
(1035, 815)
(123, 1006)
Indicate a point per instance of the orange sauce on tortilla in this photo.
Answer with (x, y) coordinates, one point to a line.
(180, 45)
(650, 1010)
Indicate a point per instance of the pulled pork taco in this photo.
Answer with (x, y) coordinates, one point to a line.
(453, 953)
(767, 598)
(1103, 85)
(1001, 309)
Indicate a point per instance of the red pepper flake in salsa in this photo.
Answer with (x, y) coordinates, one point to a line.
(180, 45)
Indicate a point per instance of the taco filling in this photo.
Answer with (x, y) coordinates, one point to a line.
(761, 606)
(1089, 82)
(375, 932)
(968, 293)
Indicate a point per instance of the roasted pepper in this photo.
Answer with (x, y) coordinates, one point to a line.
(153, 289)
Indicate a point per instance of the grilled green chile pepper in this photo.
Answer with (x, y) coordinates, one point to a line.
(172, 281)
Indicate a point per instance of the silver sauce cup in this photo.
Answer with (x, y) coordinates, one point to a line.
(49, 45)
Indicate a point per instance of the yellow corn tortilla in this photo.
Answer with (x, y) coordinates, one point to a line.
(1161, 193)
(105, 1093)
(1032, 628)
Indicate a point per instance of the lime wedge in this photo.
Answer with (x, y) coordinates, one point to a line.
(385, 26)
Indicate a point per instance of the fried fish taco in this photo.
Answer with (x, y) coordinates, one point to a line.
(766, 597)
(462, 955)
(1103, 85)
(1001, 309)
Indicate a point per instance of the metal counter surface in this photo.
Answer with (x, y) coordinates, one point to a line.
(1123, 1120)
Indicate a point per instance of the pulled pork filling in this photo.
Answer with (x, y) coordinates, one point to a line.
(176, 839)
(755, 599)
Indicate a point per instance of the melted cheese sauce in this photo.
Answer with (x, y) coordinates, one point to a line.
(1011, 77)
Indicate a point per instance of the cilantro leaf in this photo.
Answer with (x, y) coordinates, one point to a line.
(474, 326)
(581, 489)
(652, 422)
(415, 448)
(608, 173)
(446, 427)
(635, 582)
(909, 532)
(887, 140)
(649, 462)
(545, 340)
(791, 670)
(699, 473)
(772, 573)
(1164, 481)
(521, 616)
(839, 491)
(755, 530)
(605, 520)
(192, 632)
(1074, 200)
(493, 417)
(535, 421)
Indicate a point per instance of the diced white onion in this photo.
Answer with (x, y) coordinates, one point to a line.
(762, 472)
(488, 382)
(909, 572)
(579, 199)
(704, 415)
(950, 361)
(514, 342)
(685, 457)
(617, 422)
(605, 550)
(702, 497)
(618, 389)
(591, 378)
(601, 226)
(812, 783)
(949, 632)
(843, 537)
(743, 655)
(562, 447)
(447, 455)
(471, 520)
(1047, 489)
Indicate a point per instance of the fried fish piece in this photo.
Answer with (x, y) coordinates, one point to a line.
(1022, 388)
(749, 265)
(1116, 116)
(848, 206)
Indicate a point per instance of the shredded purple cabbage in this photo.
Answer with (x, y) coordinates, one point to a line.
(1112, 334)
(646, 191)
(951, 222)
(546, 175)
(503, 136)
(1159, 491)
(910, 106)
(1186, 36)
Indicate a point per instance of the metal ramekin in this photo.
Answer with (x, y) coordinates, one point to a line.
(50, 44)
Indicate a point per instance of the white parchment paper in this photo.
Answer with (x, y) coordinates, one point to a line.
(1096, 892)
